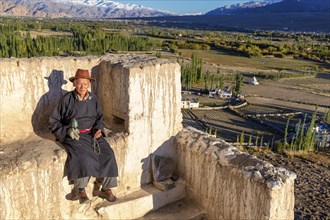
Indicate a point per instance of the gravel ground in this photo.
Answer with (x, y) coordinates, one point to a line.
(312, 186)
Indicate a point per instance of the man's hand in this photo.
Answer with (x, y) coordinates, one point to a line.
(98, 134)
(74, 133)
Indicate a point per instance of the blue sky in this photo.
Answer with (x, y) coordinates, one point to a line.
(183, 6)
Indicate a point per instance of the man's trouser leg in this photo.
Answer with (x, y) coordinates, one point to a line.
(81, 183)
(109, 182)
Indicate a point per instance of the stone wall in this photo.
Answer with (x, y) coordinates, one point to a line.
(230, 184)
(142, 97)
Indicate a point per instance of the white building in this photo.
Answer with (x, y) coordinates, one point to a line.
(322, 133)
(190, 103)
(212, 93)
(225, 94)
(254, 81)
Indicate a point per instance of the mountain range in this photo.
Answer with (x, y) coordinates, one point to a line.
(103, 8)
(306, 6)
(76, 8)
(111, 9)
(288, 15)
(231, 9)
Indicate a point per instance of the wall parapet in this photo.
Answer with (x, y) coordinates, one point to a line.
(230, 184)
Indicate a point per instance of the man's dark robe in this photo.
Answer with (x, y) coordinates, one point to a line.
(84, 158)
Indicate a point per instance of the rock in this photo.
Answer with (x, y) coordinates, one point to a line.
(162, 167)
(164, 185)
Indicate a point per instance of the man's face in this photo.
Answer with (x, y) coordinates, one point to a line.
(82, 86)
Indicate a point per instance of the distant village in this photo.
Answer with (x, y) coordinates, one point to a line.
(225, 94)
(321, 129)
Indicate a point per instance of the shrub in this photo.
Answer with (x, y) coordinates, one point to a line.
(279, 55)
(327, 116)
(279, 146)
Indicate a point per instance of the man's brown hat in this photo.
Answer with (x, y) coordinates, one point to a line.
(84, 74)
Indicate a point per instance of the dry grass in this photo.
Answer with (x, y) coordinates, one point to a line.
(320, 158)
(287, 93)
(293, 153)
(223, 59)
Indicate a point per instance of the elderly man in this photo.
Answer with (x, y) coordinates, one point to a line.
(77, 123)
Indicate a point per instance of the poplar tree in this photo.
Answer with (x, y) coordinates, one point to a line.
(286, 131)
(241, 140)
(297, 135)
(221, 81)
(302, 135)
(256, 141)
(327, 116)
(250, 140)
(238, 83)
(206, 80)
(309, 143)
(211, 81)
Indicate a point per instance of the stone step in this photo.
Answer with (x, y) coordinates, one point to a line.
(184, 209)
(140, 202)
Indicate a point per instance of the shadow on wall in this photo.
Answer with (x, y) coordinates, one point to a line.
(95, 75)
(47, 103)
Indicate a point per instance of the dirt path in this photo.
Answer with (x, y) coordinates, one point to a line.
(312, 186)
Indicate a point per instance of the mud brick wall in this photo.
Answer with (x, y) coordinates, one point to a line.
(230, 184)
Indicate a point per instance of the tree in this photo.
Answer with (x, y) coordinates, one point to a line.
(261, 141)
(286, 131)
(221, 81)
(212, 81)
(241, 139)
(159, 54)
(238, 83)
(327, 116)
(309, 139)
(292, 143)
(190, 73)
(196, 66)
(301, 136)
(206, 80)
(173, 48)
(250, 140)
(256, 141)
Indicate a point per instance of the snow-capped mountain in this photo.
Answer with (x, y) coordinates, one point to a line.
(76, 8)
(104, 3)
(274, 6)
(230, 9)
